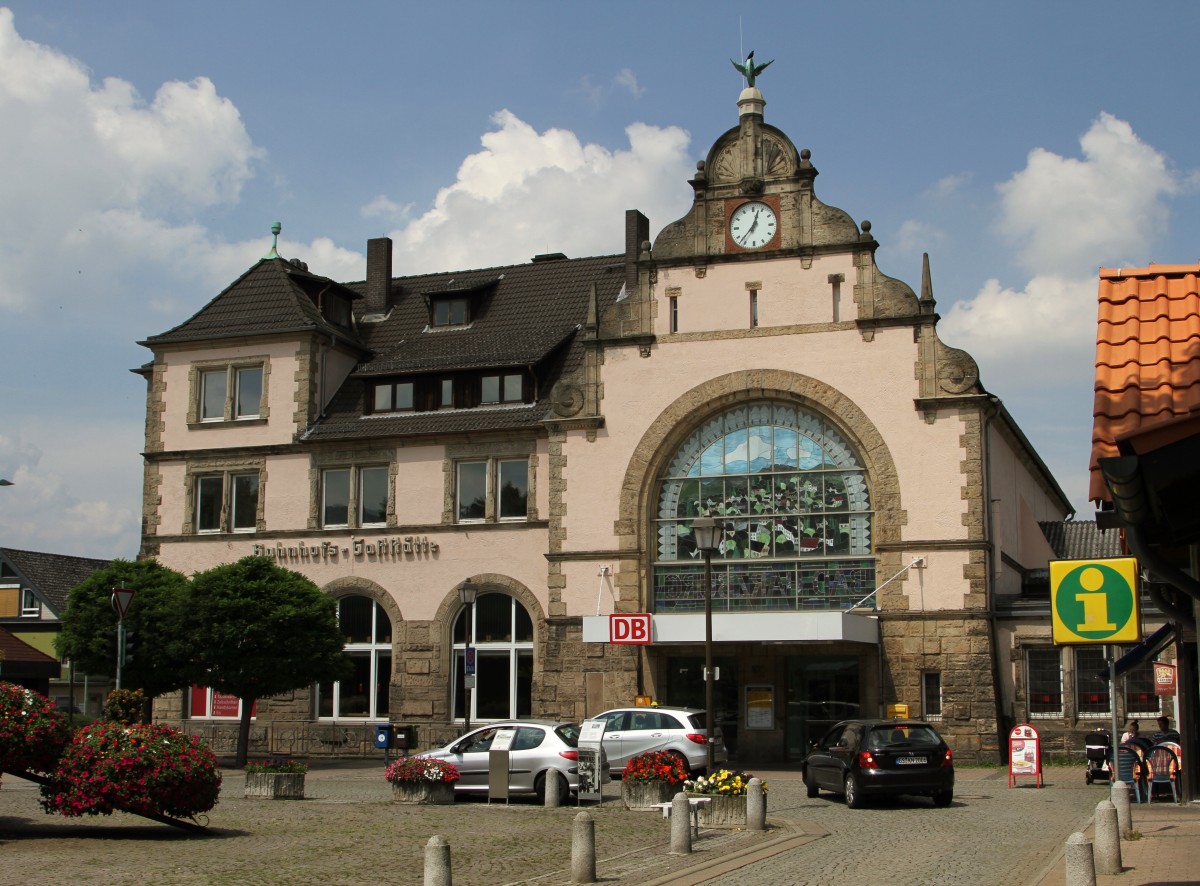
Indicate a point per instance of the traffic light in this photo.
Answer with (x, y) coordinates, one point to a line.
(111, 645)
(131, 638)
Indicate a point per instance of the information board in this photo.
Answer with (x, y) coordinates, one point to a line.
(591, 753)
(498, 764)
(1024, 754)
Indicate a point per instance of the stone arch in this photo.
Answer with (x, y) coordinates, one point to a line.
(349, 586)
(679, 419)
(491, 582)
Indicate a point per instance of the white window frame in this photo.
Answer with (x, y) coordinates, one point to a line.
(493, 478)
(926, 712)
(489, 652)
(376, 650)
(355, 475)
(234, 405)
(225, 479)
(31, 606)
(233, 500)
(500, 464)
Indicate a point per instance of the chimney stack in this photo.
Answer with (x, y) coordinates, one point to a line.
(637, 232)
(379, 275)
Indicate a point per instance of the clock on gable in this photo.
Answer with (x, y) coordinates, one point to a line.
(753, 225)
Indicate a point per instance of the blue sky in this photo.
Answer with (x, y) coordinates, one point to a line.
(147, 148)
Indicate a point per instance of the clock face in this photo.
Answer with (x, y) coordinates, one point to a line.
(753, 225)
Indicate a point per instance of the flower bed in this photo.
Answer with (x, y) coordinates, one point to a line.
(422, 780)
(651, 778)
(145, 769)
(279, 778)
(33, 734)
(726, 789)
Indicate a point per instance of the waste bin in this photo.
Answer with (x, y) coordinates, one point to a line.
(385, 736)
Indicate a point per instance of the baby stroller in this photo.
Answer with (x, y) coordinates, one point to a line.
(1098, 750)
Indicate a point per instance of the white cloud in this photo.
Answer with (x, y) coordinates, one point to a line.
(510, 199)
(1070, 215)
(389, 210)
(626, 79)
(949, 185)
(917, 236)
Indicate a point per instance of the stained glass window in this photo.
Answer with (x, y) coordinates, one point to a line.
(793, 499)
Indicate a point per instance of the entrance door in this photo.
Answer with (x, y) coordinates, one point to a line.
(820, 692)
(685, 687)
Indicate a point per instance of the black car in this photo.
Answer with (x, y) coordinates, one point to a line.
(865, 758)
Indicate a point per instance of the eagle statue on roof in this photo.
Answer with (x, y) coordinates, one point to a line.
(749, 69)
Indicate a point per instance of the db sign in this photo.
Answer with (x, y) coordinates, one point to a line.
(632, 627)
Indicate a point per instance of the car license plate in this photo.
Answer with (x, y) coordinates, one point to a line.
(910, 761)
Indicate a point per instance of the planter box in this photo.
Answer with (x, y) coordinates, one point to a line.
(722, 811)
(428, 792)
(275, 785)
(645, 794)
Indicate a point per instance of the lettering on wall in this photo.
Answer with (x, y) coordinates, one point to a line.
(410, 547)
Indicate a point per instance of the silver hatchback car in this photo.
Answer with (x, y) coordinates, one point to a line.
(537, 747)
(632, 731)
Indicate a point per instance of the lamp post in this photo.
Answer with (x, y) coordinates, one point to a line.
(467, 592)
(707, 533)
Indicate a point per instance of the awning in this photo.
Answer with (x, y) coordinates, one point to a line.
(750, 627)
(1147, 649)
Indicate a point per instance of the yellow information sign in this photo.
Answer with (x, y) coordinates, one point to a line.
(1095, 601)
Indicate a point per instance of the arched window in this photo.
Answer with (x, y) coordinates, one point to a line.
(368, 633)
(793, 498)
(502, 636)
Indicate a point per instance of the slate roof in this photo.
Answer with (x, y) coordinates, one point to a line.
(521, 315)
(51, 575)
(1147, 356)
(273, 296)
(1081, 540)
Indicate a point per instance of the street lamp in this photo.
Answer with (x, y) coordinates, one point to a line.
(467, 592)
(707, 533)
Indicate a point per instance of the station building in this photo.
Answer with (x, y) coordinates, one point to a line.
(550, 430)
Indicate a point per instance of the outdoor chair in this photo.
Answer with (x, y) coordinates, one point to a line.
(1176, 748)
(1164, 767)
(1129, 769)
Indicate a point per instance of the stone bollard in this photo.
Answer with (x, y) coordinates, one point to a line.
(553, 788)
(756, 806)
(1107, 849)
(1081, 868)
(437, 862)
(1120, 799)
(583, 849)
(681, 825)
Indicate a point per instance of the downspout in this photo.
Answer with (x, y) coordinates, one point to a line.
(989, 552)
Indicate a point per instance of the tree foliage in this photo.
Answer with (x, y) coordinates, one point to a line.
(257, 630)
(155, 617)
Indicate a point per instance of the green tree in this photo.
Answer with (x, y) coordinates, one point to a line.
(155, 617)
(259, 630)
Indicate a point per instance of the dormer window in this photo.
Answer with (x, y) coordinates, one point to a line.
(501, 389)
(462, 390)
(451, 312)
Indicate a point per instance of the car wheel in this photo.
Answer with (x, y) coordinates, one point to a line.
(854, 799)
(942, 798)
(539, 789)
(810, 786)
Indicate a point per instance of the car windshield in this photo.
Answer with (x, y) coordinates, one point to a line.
(569, 733)
(887, 735)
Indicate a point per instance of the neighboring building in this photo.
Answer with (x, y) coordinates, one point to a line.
(33, 597)
(550, 430)
(1145, 464)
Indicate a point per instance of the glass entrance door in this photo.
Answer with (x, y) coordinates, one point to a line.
(820, 692)
(685, 688)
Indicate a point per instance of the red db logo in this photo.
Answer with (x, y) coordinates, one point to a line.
(629, 628)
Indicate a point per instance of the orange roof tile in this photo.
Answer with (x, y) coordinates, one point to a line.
(1147, 355)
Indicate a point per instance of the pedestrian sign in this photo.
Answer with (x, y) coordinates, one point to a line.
(1095, 601)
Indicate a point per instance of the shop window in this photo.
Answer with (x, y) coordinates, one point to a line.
(366, 693)
(505, 497)
(794, 499)
(1043, 674)
(227, 502)
(502, 636)
(931, 695)
(355, 495)
(205, 703)
(1092, 695)
(229, 393)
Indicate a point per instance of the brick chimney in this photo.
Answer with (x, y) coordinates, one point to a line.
(379, 275)
(637, 231)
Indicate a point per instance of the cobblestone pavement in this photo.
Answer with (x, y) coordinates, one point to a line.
(347, 831)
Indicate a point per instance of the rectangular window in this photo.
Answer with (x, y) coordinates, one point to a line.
(753, 308)
(383, 398)
(512, 482)
(248, 397)
(1043, 674)
(335, 497)
(393, 397)
(512, 388)
(209, 493)
(1091, 690)
(673, 302)
(212, 394)
(489, 391)
(1139, 691)
(931, 695)
(245, 502)
(29, 603)
(450, 312)
(373, 496)
(447, 394)
(472, 491)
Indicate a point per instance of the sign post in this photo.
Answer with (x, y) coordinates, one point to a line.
(121, 598)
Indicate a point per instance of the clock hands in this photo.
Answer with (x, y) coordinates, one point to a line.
(746, 235)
